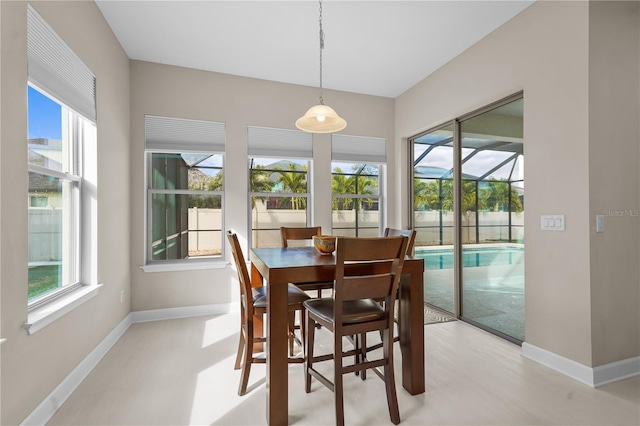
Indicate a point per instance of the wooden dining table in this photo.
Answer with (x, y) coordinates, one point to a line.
(279, 266)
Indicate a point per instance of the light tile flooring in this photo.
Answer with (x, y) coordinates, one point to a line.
(180, 372)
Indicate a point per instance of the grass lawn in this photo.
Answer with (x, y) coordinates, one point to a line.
(43, 279)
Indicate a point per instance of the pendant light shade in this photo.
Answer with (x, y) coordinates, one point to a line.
(321, 118)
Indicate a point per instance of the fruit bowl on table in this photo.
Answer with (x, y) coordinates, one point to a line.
(325, 244)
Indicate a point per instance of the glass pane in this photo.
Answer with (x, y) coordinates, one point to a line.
(50, 225)
(355, 216)
(273, 175)
(345, 175)
(202, 172)
(492, 221)
(433, 214)
(186, 226)
(359, 217)
(268, 214)
(47, 147)
(484, 162)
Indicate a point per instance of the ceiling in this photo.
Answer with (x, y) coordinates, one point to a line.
(378, 48)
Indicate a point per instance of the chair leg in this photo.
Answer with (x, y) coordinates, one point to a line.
(303, 332)
(308, 354)
(241, 345)
(337, 379)
(248, 358)
(390, 382)
(292, 327)
(363, 352)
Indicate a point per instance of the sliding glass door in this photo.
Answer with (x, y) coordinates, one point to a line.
(468, 210)
(492, 209)
(433, 213)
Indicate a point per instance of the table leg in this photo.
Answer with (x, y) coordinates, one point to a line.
(277, 355)
(412, 332)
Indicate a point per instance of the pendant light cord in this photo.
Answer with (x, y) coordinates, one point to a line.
(321, 48)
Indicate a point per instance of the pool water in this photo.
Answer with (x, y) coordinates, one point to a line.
(471, 257)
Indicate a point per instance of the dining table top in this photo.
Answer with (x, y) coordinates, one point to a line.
(306, 264)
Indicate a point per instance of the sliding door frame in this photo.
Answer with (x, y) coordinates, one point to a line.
(457, 200)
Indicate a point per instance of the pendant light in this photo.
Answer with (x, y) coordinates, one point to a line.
(321, 118)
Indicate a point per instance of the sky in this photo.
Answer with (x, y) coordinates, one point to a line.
(44, 118)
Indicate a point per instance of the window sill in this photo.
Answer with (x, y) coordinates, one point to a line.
(184, 266)
(45, 315)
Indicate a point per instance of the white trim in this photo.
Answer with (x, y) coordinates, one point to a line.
(616, 371)
(183, 312)
(47, 408)
(594, 377)
(2, 341)
(48, 313)
(187, 265)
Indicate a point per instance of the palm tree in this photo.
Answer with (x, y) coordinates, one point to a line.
(258, 181)
(295, 182)
(341, 184)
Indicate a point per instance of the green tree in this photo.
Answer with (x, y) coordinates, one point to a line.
(295, 181)
(498, 198)
(341, 184)
(259, 181)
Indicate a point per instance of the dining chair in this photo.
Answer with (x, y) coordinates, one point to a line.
(304, 234)
(411, 235)
(253, 302)
(367, 271)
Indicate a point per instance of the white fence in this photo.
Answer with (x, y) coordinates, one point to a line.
(45, 228)
(45, 234)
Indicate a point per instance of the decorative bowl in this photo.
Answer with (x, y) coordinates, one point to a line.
(325, 244)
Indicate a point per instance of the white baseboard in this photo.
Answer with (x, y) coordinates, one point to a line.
(594, 377)
(47, 408)
(183, 312)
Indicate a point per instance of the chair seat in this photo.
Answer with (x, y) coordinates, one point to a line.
(296, 296)
(353, 311)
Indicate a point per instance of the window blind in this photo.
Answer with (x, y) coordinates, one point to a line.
(184, 135)
(358, 148)
(55, 68)
(281, 143)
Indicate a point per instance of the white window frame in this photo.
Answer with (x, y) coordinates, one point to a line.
(165, 135)
(379, 196)
(306, 195)
(56, 71)
(363, 150)
(279, 144)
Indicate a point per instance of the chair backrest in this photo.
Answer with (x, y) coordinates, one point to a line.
(246, 297)
(409, 233)
(298, 234)
(368, 268)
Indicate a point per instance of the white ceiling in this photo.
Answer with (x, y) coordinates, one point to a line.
(372, 47)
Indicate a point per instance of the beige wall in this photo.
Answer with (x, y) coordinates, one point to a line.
(545, 52)
(614, 142)
(32, 366)
(238, 102)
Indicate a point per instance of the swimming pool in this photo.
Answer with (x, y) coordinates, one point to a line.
(493, 255)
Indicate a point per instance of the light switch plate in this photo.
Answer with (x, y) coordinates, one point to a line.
(552, 222)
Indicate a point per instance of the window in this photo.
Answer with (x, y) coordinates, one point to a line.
(355, 199)
(356, 170)
(278, 182)
(61, 166)
(185, 189)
